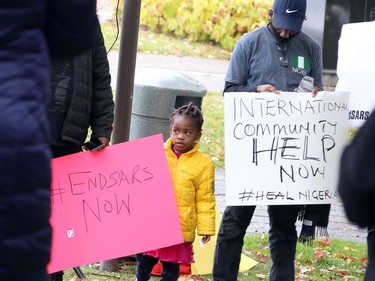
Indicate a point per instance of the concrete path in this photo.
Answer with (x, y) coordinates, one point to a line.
(210, 73)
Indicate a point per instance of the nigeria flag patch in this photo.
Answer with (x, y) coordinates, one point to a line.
(301, 62)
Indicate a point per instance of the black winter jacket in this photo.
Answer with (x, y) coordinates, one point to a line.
(81, 97)
(357, 185)
(357, 176)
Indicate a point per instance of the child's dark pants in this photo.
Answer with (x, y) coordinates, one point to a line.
(145, 264)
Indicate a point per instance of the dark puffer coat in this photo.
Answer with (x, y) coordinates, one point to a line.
(25, 234)
(357, 176)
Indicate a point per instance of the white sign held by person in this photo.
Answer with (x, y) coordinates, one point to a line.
(284, 149)
(355, 66)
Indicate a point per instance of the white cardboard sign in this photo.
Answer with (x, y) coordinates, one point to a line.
(284, 149)
(355, 69)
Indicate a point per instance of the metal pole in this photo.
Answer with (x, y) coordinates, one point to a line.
(79, 273)
(126, 70)
(125, 84)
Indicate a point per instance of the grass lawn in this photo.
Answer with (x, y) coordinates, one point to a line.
(327, 259)
(212, 141)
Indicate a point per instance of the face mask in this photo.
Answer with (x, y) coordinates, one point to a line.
(277, 35)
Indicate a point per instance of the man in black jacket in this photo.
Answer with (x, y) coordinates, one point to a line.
(263, 60)
(81, 100)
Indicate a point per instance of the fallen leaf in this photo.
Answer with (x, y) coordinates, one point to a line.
(325, 242)
(364, 263)
(342, 272)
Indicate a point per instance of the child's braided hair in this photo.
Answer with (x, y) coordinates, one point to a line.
(190, 110)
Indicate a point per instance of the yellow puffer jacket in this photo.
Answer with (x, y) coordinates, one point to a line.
(193, 176)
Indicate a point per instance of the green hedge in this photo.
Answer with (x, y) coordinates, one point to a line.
(218, 21)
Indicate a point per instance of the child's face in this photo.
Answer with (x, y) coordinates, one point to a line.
(183, 134)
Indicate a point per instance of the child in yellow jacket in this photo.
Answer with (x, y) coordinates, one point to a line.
(193, 175)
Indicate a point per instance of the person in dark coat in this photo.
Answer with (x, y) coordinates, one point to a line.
(82, 99)
(31, 32)
(356, 185)
(263, 61)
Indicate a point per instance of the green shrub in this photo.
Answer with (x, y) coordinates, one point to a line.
(217, 21)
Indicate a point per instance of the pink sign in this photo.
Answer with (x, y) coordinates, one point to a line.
(112, 203)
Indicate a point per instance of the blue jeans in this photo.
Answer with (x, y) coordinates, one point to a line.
(282, 241)
(145, 264)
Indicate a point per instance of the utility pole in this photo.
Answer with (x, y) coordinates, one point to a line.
(124, 86)
(126, 70)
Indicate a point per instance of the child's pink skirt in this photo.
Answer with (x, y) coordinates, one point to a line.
(180, 253)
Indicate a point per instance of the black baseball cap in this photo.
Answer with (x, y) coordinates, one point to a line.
(289, 14)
